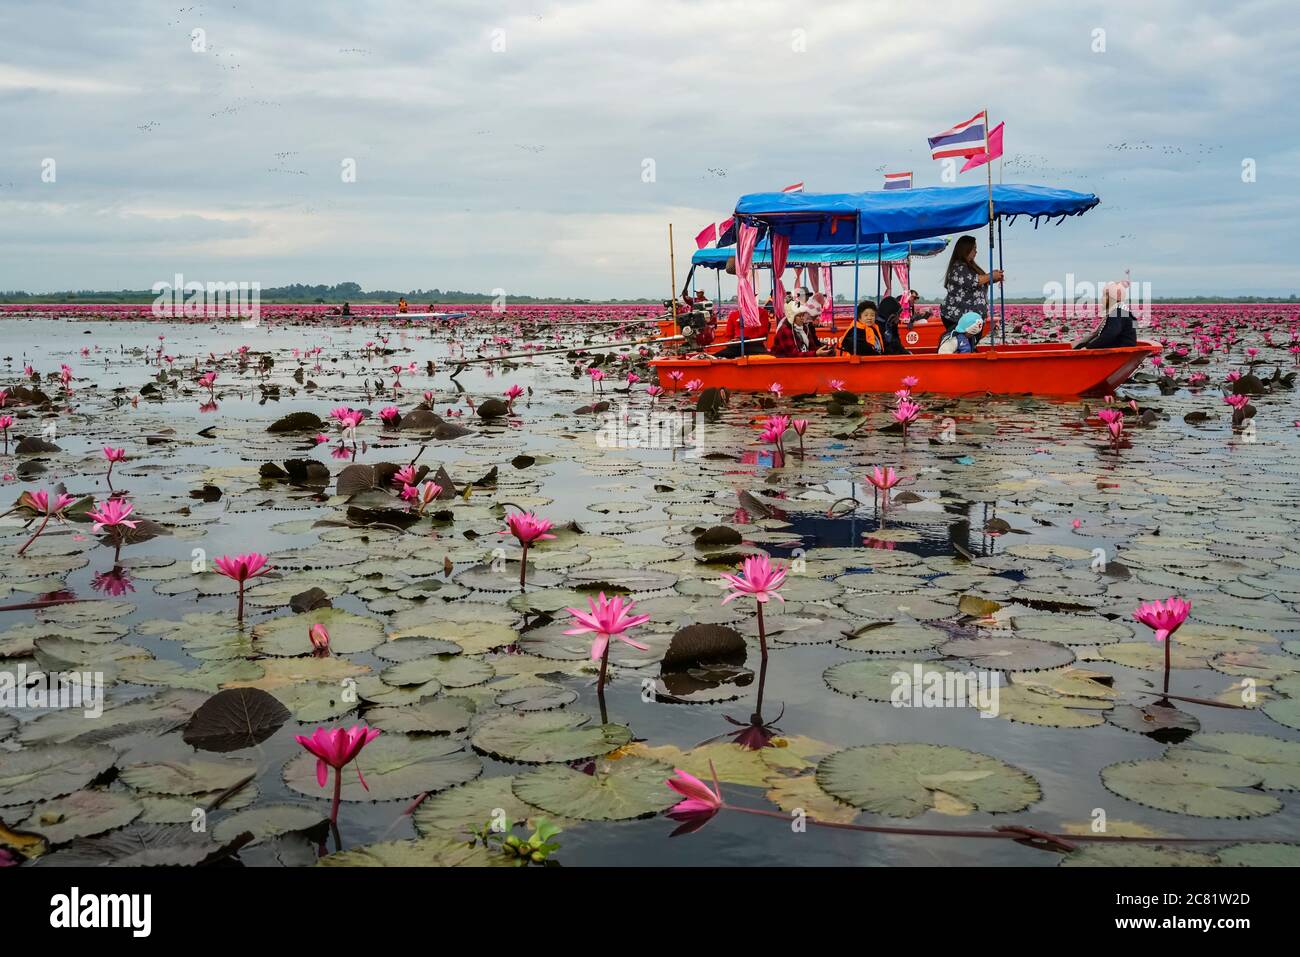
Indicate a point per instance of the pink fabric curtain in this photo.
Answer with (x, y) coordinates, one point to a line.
(901, 271)
(780, 251)
(887, 274)
(798, 276)
(746, 240)
(828, 312)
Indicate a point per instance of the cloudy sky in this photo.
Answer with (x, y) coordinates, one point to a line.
(502, 145)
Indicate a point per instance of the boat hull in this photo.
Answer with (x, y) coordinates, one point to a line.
(1046, 368)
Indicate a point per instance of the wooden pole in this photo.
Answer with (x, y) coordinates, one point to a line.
(672, 265)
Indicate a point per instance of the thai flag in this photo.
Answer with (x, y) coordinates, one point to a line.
(794, 188)
(898, 180)
(964, 139)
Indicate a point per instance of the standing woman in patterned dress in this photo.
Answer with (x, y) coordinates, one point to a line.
(967, 284)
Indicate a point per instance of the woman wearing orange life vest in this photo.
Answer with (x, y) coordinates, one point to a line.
(863, 337)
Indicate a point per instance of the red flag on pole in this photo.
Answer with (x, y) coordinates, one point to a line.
(706, 235)
(794, 188)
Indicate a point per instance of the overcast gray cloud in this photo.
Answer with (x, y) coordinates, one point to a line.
(502, 144)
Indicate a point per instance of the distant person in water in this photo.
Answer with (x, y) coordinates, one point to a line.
(863, 337)
(967, 284)
(401, 305)
(1117, 326)
(347, 309)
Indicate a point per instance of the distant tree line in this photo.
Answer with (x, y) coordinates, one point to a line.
(352, 292)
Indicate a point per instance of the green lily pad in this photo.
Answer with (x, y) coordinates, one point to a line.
(1137, 855)
(190, 776)
(1009, 654)
(268, 821)
(1277, 761)
(81, 814)
(430, 716)
(154, 713)
(286, 635)
(622, 790)
(452, 671)
(395, 766)
(39, 774)
(426, 852)
(902, 780)
(472, 805)
(893, 638)
(542, 736)
(1198, 788)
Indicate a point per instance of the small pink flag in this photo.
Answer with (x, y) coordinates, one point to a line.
(995, 149)
(706, 235)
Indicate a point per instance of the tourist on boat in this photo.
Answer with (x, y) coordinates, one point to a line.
(887, 322)
(917, 318)
(755, 335)
(964, 336)
(401, 305)
(863, 337)
(1117, 327)
(967, 284)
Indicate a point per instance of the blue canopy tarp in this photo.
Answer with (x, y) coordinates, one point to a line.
(900, 215)
(824, 255)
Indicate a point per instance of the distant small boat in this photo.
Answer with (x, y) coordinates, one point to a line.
(421, 315)
(1040, 368)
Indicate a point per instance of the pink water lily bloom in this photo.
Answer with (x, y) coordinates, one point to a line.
(337, 749)
(837, 385)
(608, 618)
(528, 528)
(114, 455)
(884, 479)
(911, 381)
(405, 475)
(241, 568)
(800, 426)
(700, 799)
(758, 578)
(1164, 617)
(319, 637)
(113, 513)
(906, 411)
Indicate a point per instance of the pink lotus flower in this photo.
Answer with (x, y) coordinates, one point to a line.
(428, 494)
(337, 749)
(6, 423)
(776, 389)
(405, 475)
(208, 381)
(390, 414)
(527, 528)
(654, 391)
(511, 394)
(701, 802)
(113, 513)
(1165, 618)
(319, 637)
(884, 479)
(242, 569)
(911, 382)
(608, 618)
(837, 385)
(1238, 402)
(905, 413)
(694, 385)
(759, 578)
(43, 505)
